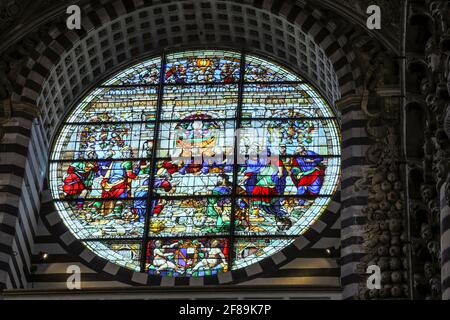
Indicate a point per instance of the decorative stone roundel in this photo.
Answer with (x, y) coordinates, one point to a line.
(195, 163)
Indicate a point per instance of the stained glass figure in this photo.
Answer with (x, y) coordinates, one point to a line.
(202, 67)
(190, 217)
(187, 257)
(94, 219)
(207, 160)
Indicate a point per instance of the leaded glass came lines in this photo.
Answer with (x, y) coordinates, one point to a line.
(143, 170)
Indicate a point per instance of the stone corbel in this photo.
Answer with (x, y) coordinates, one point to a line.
(10, 109)
(24, 107)
(347, 101)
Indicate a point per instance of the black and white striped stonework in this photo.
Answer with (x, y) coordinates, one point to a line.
(22, 164)
(355, 144)
(445, 242)
(52, 273)
(115, 33)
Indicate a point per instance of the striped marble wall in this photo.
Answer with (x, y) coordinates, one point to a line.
(354, 147)
(22, 169)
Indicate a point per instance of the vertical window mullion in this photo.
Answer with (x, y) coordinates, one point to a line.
(231, 241)
(152, 173)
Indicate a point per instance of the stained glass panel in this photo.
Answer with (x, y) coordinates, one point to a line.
(122, 253)
(260, 70)
(190, 217)
(105, 179)
(195, 136)
(289, 137)
(190, 178)
(212, 101)
(202, 67)
(259, 215)
(301, 176)
(105, 141)
(147, 72)
(251, 250)
(283, 101)
(188, 257)
(143, 164)
(117, 105)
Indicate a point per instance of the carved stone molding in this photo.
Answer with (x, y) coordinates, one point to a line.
(447, 121)
(385, 230)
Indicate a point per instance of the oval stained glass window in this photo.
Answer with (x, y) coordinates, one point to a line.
(195, 163)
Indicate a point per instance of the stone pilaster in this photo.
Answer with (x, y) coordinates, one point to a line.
(15, 192)
(354, 147)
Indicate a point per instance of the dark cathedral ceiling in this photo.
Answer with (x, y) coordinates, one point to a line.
(19, 18)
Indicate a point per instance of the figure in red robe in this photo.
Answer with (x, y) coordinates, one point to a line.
(307, 173)
(79, 180)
